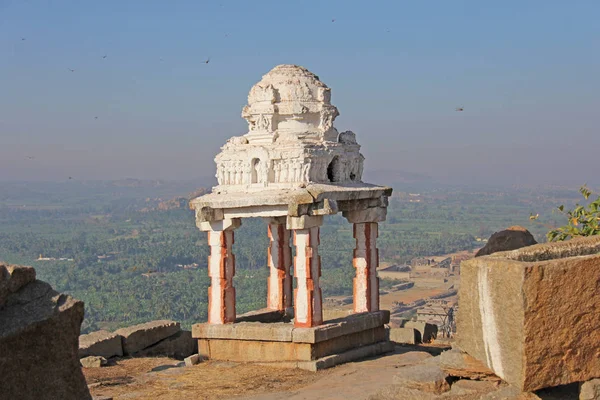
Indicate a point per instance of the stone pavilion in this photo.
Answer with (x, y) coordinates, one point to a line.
(292, 168)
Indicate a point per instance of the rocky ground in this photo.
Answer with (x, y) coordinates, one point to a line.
(411, 372)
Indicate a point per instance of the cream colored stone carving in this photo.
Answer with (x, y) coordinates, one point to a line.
(291, 139)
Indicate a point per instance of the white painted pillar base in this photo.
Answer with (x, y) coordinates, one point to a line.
(279, 284)
(221, 269)
(308, 307)
(366, 261)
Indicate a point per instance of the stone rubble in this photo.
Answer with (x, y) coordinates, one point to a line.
(155, 338)
(139, 337)
(93, 362)
(590, 390)
(100, 343)
(192, 360)
(178, 346)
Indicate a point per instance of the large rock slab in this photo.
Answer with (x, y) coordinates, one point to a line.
(100, 343)
(531, 315)
(512, 238)
(179, 346)
(138, 337)
(458, 364)
(39, 331)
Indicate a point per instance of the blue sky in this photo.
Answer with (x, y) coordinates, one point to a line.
(527, 74)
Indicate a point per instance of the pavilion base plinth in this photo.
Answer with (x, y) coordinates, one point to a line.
(281, 344)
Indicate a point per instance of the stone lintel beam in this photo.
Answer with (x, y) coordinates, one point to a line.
(324, 207)
(358, 205)
(205, 214)
(276, 220)
(377, 214)
(303, 222)
(222, 225)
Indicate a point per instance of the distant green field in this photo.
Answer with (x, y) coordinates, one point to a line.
(87, 220)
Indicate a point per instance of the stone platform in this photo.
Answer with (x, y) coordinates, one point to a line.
(281, 344)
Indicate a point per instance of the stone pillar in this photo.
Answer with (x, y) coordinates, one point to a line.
(279, 284)
(366, 261)
(308, 304)
(221, 269)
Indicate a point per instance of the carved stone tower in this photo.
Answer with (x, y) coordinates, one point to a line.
(291, 139)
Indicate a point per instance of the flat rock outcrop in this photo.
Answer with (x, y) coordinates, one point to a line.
(139, 337)
(427, 378)
(179, 346)
(101, 343)
(39, 331)
(512, 238)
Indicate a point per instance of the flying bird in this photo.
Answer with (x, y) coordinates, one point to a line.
(95, 117)
(333, 20)
(72, 70)
(104, 56)
(460, 108)
(22, 38)
(30, 157)
(207, 60)
(70, 177)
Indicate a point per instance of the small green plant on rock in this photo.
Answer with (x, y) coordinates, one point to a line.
(582, 220)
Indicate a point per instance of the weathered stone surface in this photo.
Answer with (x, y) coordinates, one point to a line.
(192, 360)
(458, 364)
(179, 346)
(531, 314)
(39, 331)
(344, 326)
(398, 392)
(405, 335)
(280, 332)
(512, 238)
(590, 390)
(427, 378)
(470, 387)
(92, 362)
(138, 337)
(13, 278)
(428, 331)
(509, 393)
(100, 343)
(413, 357)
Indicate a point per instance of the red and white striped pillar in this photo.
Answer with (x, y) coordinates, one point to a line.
(308, 307)
(221, 269)
(279, 284)
(366, 261)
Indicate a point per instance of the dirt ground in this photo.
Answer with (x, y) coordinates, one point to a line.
(167, 379)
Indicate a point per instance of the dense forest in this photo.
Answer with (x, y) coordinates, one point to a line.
(132, 255)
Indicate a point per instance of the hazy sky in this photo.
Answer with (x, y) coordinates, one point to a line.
(526, 72)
